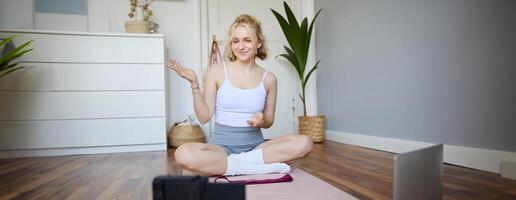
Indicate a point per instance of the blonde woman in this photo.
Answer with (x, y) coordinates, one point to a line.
(242, 95)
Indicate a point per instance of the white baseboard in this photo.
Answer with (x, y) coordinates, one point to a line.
(81, 150)
(476, 158)
(508, 170)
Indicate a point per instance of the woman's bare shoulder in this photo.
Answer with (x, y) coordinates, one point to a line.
(270, 79)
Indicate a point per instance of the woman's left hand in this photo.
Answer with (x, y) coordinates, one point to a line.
(256, 121)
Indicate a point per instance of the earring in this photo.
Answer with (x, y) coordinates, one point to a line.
(257, 50)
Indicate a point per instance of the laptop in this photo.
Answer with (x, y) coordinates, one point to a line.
(418, 174)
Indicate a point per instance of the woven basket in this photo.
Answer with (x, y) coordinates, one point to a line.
(313, 126)
(179, 135)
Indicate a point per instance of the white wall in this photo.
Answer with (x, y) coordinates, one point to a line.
(16, 14)
(179, 22)
(57, 21)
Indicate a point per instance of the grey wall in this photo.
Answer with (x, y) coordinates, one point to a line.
(426, 70)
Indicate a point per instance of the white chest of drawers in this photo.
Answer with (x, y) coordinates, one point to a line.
(84, 93)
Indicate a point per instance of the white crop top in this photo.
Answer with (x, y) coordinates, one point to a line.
(234, 106)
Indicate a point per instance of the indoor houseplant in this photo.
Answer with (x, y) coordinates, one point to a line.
(8, 54)
(298, 37)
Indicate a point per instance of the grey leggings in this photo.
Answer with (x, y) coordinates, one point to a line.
(236, 140)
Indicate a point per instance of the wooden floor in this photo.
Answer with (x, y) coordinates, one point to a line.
(364, 173)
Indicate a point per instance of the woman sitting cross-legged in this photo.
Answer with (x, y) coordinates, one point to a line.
(242, 95)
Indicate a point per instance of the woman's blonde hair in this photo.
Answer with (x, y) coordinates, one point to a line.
(251, 23)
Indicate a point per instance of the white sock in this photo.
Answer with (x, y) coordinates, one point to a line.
(239, 167)
(254, 156)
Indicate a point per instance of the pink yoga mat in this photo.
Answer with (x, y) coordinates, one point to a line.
(304, 186)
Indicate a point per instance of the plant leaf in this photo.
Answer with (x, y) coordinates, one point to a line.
(289, 58)
(310, 73)
(291, 17)
(6, 40)
(9, 71)
(311, 27)
(297, 36)
(16, 56)
(285, 26)
(9, 66)
(303, 47)
(15, 53)
(300, 71)
(5, 67)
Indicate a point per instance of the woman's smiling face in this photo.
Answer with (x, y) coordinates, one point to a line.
(244, 43)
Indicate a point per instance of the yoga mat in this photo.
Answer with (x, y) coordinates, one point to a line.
(304, 186)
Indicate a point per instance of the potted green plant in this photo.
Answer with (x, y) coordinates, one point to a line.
(298, 37)
(8, 55)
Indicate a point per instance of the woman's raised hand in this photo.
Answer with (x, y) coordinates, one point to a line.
(183, 72)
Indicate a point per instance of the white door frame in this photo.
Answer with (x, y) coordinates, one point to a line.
(304, 8)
